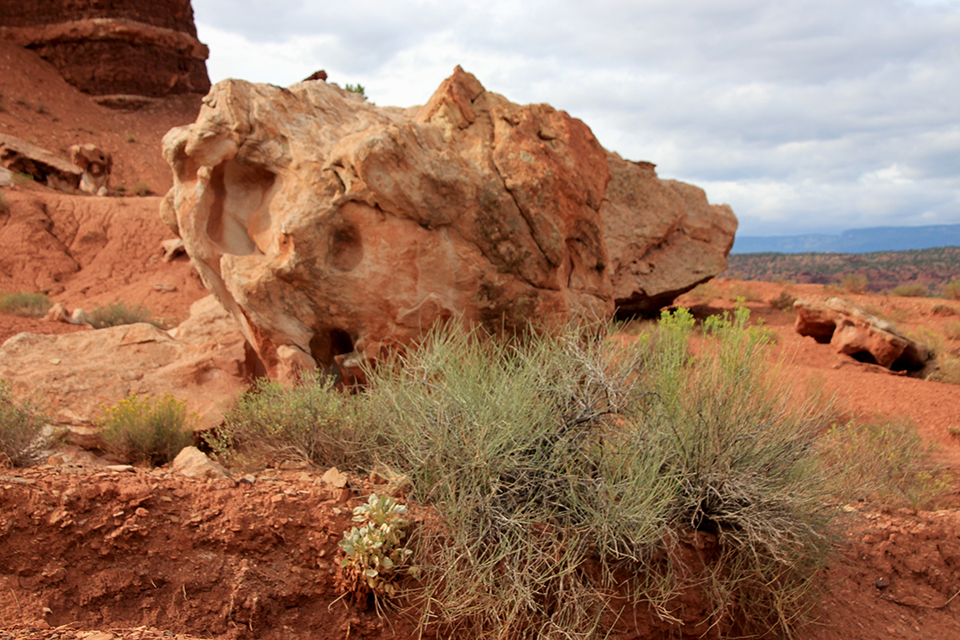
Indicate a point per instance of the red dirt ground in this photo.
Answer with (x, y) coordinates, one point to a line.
(90, 552)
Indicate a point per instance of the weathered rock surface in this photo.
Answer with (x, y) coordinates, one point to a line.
(96, 165)
(122, 47)
(204, 362)
(193, 463)
(333, 229)
(20, 156)
(854, 332)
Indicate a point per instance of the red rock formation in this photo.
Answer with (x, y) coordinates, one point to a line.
(113, 47)
(333, 229)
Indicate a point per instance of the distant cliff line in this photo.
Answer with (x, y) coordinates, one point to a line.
(866, 240)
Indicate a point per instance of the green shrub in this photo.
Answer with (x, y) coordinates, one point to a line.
(31, 305)
(3, 204)
(542, 454)
(21, 425)
(854, 282)
(312, 422)
(141, 431)
(915, 290)
(883, 461)
(952, 289)
(118, 313)
(358, 89)
(783, 302)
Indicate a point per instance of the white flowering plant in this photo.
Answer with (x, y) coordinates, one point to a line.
(374, 555)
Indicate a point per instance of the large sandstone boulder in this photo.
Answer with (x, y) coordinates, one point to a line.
(852, 331)
(333, 229)
(116, 48)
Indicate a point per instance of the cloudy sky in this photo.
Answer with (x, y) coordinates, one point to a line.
(806, 116)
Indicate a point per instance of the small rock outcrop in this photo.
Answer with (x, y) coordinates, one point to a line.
(117, 48)
(96, 165)
(204, 362)
(862, 336)
(20, 156)
(333, 229)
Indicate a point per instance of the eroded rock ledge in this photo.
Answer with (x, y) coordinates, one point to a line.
(333, 229)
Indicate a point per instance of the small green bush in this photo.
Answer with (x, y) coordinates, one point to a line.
(952, 290)
(3, 204)
(21, 425)
(312, 422)
(783, 302)
(916, 290)
(118, 313)
(358, 89)
(31, 305)
(141, 431)
(854, 282)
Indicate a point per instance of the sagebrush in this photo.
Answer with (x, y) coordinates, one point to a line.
(311, 422)
(23, 303)
(565, 470)
(21, 429)
(118, 313)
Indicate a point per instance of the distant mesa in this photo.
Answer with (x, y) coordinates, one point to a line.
(866, 240)
(117, 50)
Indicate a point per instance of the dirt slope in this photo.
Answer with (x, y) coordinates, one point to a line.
(39, 106)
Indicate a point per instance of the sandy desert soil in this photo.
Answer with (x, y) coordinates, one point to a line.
(89, 552)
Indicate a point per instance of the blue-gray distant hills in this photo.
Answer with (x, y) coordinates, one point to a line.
(855, 240)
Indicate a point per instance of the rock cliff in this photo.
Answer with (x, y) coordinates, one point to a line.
(113, 47)
(333, 229)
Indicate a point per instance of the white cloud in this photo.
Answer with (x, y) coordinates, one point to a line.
(804, 115)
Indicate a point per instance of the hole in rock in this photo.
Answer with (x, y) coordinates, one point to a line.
(327, 344)
(864, 356)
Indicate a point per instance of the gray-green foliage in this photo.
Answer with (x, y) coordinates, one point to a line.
(311, 422)
(542, 454)
(374, 555)
(21, 303)
(563, 470)
(118, 313)
(21, 427)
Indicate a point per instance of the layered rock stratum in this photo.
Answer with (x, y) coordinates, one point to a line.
(115, 48)
(333, 229)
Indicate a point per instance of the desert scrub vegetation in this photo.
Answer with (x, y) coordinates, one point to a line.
(951, 290)
(564, 472)
(915, 290)
(21, 303)
(21, 429)
(144, 431)
(118, 313)
(854, 282)
(883, 461)
(311, 423)
(784, 301)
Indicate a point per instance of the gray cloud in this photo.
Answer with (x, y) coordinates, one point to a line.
(804, 115)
